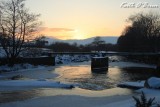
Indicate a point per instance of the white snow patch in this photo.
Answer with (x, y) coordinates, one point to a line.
(34, 84)
(154, 82)
(153, 92)
(65, 59)
(17, 67)
(124, 103)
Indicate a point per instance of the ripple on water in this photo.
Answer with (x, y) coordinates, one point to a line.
(83, 76)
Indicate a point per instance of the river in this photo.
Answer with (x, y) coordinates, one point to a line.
(89, 84)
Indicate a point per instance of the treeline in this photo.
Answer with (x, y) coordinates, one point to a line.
(96, 45)
(66, 47)
(142, 34)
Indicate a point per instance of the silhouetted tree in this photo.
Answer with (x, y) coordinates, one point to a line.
(143, 33)
(41, 42)
(98, 44)
(17, 26)
(64, 47)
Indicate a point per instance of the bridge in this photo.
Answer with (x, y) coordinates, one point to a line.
(156, 55)
(106, 53)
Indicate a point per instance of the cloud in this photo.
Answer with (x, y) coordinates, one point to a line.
(56, 29)
(60, 33)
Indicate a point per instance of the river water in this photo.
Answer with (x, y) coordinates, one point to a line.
(89, 83)
(118, 72)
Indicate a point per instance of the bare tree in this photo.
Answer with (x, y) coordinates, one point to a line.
(17, 26)
(98, 44)
(143, 34)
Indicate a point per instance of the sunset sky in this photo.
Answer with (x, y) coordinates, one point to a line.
(80, 19)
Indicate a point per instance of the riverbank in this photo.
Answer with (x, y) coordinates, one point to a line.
(62, 100)
(67, 101)
(39, 72)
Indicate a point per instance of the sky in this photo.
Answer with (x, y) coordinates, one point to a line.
(81, 19)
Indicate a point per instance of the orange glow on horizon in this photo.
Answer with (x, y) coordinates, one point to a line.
(81, 19)
(66, 33)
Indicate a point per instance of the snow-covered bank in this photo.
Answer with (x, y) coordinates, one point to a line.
(40, 72)
(152, 83)
(84, 101)
(80, 101)
(16, 67)
(34, 84)
(67, 101)
(65, 59)
(151, 92)
(39, 77)
(135, 85)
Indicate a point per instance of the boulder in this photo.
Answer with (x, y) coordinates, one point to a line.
(152, 82)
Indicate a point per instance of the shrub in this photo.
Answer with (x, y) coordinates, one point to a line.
(143, 102)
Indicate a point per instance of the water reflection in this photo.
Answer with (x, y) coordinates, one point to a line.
(139, 73)
(12, 96)
(98, 81)
(17, 95)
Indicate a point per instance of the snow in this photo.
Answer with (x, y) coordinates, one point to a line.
(150, 93)
(26, 70)
(139, 84)
(35, 77)
(17, 67)
(65, 59)
(2, 52)
(125, 103)
(40, 72)
(2, 77)
(79, 101)
(38, 75)
(154, 82)
(114, 61)
(153, 92)
(34, 84)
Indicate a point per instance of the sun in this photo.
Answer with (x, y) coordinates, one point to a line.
(79, 37)
(78, 34)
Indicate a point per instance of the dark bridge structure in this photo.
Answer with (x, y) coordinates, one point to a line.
(153, 56)
(105, 53)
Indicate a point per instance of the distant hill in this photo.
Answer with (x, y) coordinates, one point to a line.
(107, 39)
